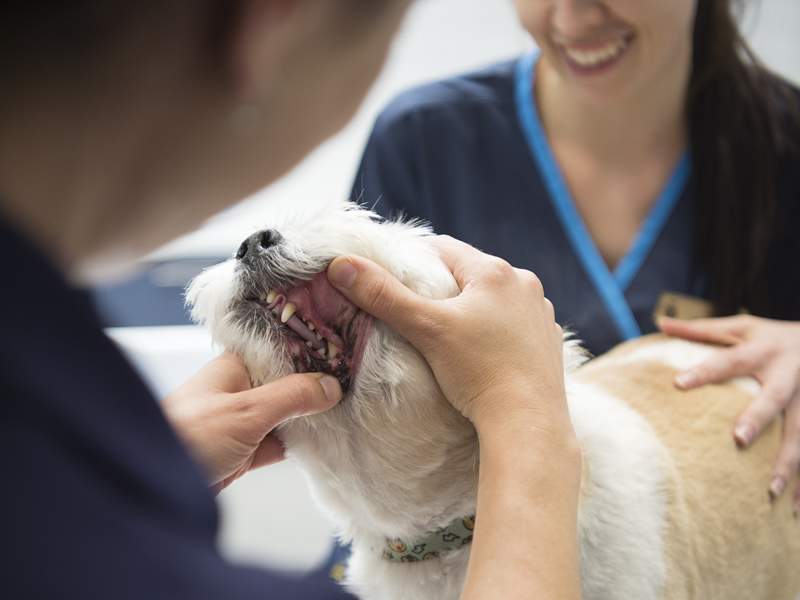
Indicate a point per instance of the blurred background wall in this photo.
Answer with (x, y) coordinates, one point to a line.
(442, 38)
(268, 517)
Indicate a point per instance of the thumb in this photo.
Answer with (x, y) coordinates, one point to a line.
(376, 291)
(292, 396)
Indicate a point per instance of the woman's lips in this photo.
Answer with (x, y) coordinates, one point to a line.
(589, 59)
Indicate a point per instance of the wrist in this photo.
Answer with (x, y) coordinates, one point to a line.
(534, 446)
(526, 517)
(523, 412)
(534, 456)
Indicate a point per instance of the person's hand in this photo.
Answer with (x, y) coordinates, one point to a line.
(226, 424)
(762, 348)
(497, 353)
(495, 349)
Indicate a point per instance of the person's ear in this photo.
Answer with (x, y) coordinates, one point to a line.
(257, 41)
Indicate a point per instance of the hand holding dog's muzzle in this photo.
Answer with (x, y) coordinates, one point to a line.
(226, 424)
(495, 349)
(497, 353)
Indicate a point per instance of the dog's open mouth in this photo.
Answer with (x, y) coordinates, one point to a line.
(322, 331)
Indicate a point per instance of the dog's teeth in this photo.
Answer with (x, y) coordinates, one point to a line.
(319, 337)
(262, 296)
(310, 325)
(309, 344)
(322, 353)
(271, 296)
(333, 351)
(288, 311)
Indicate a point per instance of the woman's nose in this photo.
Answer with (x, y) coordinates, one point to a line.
(575, 20)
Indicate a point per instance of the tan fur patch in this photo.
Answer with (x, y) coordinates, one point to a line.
(725, 539)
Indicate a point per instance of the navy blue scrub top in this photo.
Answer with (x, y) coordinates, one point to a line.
(470, 156)
(99, 500)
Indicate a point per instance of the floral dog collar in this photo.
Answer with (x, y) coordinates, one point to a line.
(431, 545)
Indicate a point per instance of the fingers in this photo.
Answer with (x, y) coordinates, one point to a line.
(551, 314)
(382, 295)
(789, 457)
(726, 331)
(491, 348)
(777, 392)
(225, 373)
(461, 258)
(292, 396)
(269, 452)
(467, 263)
(731, 362)
(768, 350)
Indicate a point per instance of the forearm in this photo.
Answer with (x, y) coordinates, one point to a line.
(525, 543)
(497, 354)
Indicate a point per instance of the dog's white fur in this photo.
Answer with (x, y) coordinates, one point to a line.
(395, 460)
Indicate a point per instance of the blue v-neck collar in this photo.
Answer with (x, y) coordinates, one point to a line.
(609, 286)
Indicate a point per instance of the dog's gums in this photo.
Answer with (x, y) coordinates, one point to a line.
(322, 331)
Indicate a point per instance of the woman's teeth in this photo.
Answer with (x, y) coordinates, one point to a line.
(596, 56)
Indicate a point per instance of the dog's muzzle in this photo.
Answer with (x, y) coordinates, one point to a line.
(258, 242)
(317, 326)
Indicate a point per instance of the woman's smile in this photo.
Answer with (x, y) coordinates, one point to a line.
(588, 59)
(613, 52)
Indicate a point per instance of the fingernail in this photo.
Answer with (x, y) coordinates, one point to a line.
(342, 273)
(686, 380)
(743, 434)
(776, 487)
(333, 391)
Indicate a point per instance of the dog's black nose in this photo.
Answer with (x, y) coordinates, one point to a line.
(260, 240)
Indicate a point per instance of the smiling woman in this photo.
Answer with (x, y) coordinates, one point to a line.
(643, 49)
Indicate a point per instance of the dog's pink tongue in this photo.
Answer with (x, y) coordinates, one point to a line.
(304, 332)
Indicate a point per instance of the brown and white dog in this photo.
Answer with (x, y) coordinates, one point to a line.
(670, 508)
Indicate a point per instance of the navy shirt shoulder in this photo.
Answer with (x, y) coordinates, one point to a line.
(99, 499)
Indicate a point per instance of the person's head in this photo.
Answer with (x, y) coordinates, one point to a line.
(737, 114)
(134, 120)
(607, 50)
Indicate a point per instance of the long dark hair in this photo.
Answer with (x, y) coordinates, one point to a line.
(738, 114)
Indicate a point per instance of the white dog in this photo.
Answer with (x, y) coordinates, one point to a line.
(669, 509)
